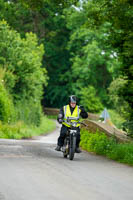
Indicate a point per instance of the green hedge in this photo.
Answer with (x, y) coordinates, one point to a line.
(21, 75)
(20, 130)
(29, 112)
(7, 112)
(102, 145)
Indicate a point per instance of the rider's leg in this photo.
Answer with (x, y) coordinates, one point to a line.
(78, 138)
(61, 138)
(62, 135)
(78, 141)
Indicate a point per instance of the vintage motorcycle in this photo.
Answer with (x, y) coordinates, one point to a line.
(69, 146)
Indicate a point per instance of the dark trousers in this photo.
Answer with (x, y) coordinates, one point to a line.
(62, 136)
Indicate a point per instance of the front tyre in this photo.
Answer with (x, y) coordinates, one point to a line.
(72, 149)
(71, 154)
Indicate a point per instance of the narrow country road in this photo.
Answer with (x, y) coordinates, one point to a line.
(33, 170)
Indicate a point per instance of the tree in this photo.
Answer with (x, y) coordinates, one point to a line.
(90, 100)
(94, 61)
(115, 89)
(21, 59)
(119, 14)
(46, 19)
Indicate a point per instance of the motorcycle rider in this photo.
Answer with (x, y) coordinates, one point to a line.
(70, 110)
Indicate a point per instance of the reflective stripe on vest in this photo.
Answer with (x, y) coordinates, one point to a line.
(67, 113)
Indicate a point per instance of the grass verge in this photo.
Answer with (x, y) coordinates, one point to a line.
(52, 116)
(116, 119)
(109, 147)
(20, 130)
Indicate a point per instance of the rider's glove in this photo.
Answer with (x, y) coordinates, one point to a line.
(60, 121)
(82, 108)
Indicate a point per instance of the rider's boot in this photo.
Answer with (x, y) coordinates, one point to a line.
(77, 150)
(58, 148)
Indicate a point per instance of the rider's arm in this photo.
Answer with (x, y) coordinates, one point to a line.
(61, 113)
(83, 113)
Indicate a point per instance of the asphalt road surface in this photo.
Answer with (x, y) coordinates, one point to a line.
(33, 170)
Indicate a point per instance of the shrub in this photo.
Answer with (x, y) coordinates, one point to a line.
(20, 130)
(90, 100)
(24, 77)
(28, 111)
(122, 153)
(98, 142)
(102, 145)
(7, 112)
(116, 118)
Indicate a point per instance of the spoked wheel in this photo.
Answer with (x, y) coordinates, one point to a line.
(72, 149)
(71, 154)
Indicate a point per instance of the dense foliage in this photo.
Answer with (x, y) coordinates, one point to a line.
(102, 145)
(23, 77)
(21, 130)
(7, 112)
(88, 52)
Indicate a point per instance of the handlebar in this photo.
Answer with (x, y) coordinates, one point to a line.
(72, 118)
(74, 123)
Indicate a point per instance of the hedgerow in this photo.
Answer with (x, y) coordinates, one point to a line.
(102, 145)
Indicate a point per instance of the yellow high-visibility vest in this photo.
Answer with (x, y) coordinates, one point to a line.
(75, 114)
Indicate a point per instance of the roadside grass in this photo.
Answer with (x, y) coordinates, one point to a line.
(109, 147)
(116, 119)
(20, 130)
(52, 116)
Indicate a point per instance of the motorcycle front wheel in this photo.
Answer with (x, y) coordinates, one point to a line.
(72, 149)
(71, 154)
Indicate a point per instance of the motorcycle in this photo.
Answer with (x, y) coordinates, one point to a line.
(69, 146)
